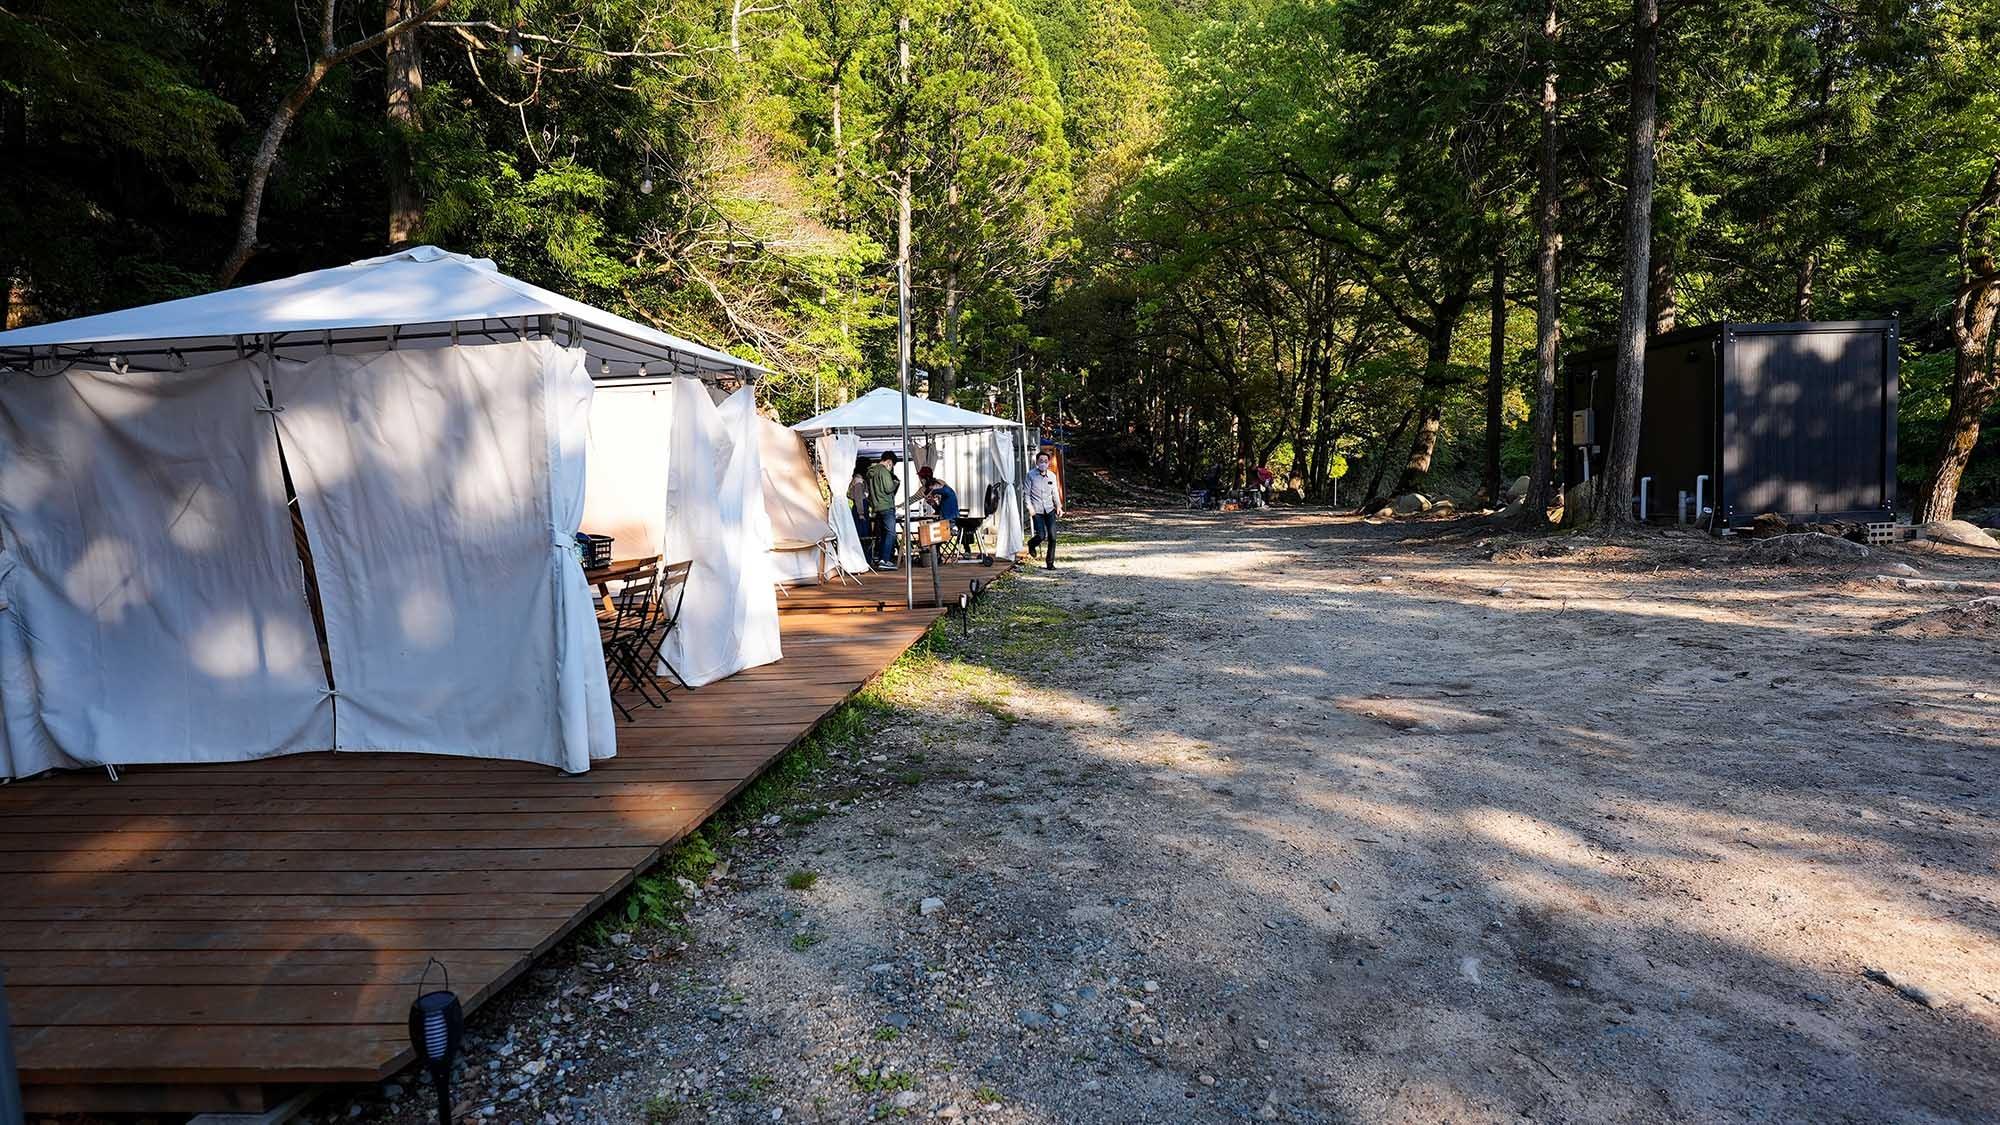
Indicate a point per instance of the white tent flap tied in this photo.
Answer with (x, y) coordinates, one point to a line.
(1007, 520)
(791, 501)
(837, 455)
(715, 520)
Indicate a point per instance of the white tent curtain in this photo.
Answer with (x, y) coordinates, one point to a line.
(156, 609)
(716, 520)
(441, 490)
(969, 464)
(837, 454)
(791, 500)
(631, 440)
(583, 686)
(1001, 465)
(25, 745)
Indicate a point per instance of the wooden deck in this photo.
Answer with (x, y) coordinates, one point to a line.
(203, 937)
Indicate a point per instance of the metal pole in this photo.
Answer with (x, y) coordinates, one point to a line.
(11, 1112)
(903, 310)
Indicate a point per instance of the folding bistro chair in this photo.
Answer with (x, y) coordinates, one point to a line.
(671, 592)
(629, 618)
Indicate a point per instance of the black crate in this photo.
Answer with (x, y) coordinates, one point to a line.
(595, 549)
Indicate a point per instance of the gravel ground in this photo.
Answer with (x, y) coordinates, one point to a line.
(1290, 816)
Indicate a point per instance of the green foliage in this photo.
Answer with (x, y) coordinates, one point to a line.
(1210, 233)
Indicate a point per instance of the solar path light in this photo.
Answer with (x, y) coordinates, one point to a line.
(437, 1031)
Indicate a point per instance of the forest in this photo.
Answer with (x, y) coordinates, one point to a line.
(1351, 239)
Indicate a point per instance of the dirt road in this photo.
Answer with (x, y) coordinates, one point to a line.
(1291, 817)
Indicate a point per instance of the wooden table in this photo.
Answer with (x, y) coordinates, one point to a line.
(619, 568)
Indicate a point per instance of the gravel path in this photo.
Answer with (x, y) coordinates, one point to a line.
(1288, 816)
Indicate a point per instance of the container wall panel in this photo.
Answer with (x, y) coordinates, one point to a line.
(1804, 423)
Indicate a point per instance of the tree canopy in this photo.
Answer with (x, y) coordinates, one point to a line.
(1207, 234)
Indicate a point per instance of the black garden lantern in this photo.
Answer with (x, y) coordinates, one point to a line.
(437, 1031)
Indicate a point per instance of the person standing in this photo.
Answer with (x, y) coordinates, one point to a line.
(864, 525)
(882, 502)
(1044, 505)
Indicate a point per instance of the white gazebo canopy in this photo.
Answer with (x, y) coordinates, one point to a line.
(419, 297)
(879, 414)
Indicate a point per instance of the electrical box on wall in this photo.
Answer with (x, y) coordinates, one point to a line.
(1583, 426)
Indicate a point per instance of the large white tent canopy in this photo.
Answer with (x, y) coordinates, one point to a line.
(879, 414)
(423, 296)
(970, 449)
(405, 440)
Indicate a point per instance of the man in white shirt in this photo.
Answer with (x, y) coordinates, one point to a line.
(1044, 505)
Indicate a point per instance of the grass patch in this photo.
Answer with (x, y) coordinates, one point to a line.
(874, 1082)
(806, 939)
(801, 880)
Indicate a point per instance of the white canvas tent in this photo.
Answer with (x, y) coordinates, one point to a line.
(967, 448)
(428, 416)
(793, 501)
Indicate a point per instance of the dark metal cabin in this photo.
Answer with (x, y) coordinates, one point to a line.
(1798, 419)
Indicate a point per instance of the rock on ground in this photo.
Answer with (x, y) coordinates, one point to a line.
(1960, 532)
(1410, 503)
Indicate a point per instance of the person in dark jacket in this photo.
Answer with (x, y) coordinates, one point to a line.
(882, 486)
(943, 498)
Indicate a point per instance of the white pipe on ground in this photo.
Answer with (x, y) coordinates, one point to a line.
(1645, 493)
(1700, 486)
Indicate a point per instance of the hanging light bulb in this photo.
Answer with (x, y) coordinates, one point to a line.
(646, 186)
(516, 54)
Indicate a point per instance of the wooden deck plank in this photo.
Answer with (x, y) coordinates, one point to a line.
(200, 931)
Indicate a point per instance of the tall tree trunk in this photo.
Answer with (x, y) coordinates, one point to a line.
(1496, 372)
(1621, 471)
(1548, 294)
(1308, 405)
(839, 157)
(946, 380)
(404, 78)
(1829, 40)
(1663, 288)
(1382, 458)
(1430, 401)
(1976, 367)
(318, 67)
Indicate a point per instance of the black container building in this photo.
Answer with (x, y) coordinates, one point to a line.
(1798, 419)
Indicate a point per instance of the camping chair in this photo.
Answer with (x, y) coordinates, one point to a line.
(672, 592)
(629, 619)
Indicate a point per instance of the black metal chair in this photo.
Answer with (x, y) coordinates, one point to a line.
(630, 619)
(670, 593)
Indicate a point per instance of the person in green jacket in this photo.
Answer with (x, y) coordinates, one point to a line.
(882, 501)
